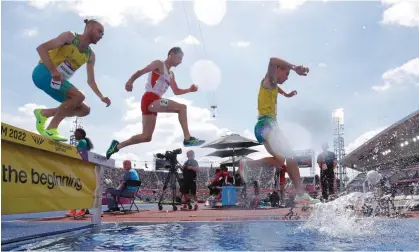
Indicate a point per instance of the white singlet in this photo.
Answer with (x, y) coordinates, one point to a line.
(157, 83)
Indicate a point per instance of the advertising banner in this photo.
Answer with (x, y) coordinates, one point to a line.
(35, 180)
(16, 135)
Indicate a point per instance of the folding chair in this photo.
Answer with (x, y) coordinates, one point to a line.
(131, 195)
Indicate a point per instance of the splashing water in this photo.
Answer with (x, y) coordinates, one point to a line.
(337, 219)
(344, 217)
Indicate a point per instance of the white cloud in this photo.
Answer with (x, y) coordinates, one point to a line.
(25, 119)
(401, 12)
(190, 40)
(32, 32)
(134, 109)
(114, 13)
(362, 139)
(322, 64)
(240, 44)
(40, 4)
(289, 5)
(381, 88)
(206, 74)
(158, 39)
(210, 12)
(407, 74)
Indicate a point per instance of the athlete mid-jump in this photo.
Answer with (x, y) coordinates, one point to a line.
(61, 57)
(267, 131)
(159, 79)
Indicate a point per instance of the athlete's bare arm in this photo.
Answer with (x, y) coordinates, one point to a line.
(150, 67)
(178, 91)
(90, 67)
(282, 92)
(44, 48)
(274, 63)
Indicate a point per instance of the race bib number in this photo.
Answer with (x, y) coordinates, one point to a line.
(164, 102)
(66, 69)
(55, 84)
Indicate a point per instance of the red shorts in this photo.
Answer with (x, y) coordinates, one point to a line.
(147, 99)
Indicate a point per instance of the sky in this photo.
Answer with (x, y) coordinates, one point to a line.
(362, 55)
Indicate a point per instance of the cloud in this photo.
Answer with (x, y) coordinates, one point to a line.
(157, 39)
(32, 32)
(25, 119)
(289, 5)
(400, 12)
(210, 12)
(134, 109)
(322, 64)
(190, 40)
(240, 44)
(407, 74)
(381, 88)
(362, 139)
(114, 13)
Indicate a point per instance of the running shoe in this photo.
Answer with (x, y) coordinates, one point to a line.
(54, 135)
(305, 199)
(192, 142)
(243, 170)
(40, 121)
(112, 149)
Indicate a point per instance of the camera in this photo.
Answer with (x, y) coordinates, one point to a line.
(167, 160)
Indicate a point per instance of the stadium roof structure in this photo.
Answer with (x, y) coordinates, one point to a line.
(399, 141)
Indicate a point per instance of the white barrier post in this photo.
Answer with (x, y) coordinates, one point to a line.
(97, 205)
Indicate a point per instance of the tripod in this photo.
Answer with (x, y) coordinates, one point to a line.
(171, 177)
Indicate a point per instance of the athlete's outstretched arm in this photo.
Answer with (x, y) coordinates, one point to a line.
(44, 48)
(90, 67)
(285, 94)
(150, 67)
(274, 63)
(178, 91)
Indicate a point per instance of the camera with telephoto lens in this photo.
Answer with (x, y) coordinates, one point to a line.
(167, 160)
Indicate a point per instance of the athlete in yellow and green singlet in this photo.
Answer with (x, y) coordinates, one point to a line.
(61, 57)
(267, 131)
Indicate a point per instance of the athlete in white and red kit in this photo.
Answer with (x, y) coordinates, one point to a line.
(159, 79)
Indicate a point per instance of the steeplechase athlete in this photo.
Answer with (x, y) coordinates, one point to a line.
(61, 57)
(267, 130)
(159, 79)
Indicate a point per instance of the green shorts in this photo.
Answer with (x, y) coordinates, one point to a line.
(263, 126)
(268, 126)
(43, 80)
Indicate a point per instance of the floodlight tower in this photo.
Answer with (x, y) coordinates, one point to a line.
(77, 123)
(339, 143)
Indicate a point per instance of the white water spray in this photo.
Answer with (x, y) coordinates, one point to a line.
(336, 219)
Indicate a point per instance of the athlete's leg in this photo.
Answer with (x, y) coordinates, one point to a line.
(65, 93)
(263, 161)
(74, 99)
(149, 124)
(80, 111)
(292, 168)
(169, 106)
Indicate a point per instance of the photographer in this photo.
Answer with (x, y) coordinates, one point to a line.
(190, 168)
